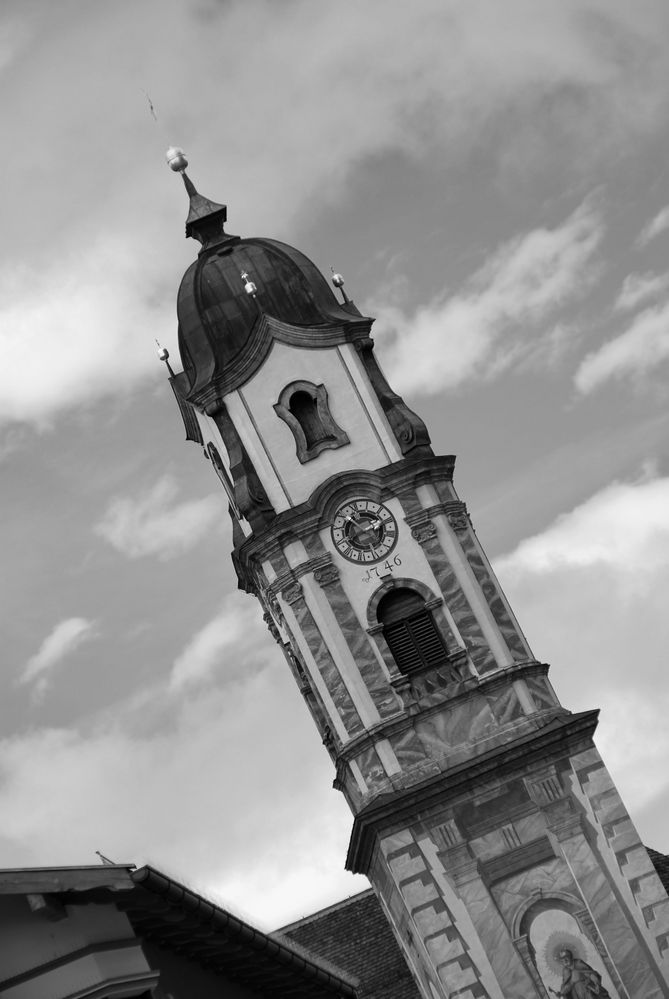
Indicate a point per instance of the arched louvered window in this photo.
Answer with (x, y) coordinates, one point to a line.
(304, 408)
(410, 631)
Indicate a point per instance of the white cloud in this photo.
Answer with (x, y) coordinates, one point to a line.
(634, 353)
(495, 320)
(624, 526)
(230, 791)
(79, 329)
(593, 586)
(153, 524)
(79, 323)
(223, 645)
(658, 224)
(638, 288)
(66, 637)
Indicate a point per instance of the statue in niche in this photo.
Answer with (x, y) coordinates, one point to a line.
(567, 960)
(579, 980)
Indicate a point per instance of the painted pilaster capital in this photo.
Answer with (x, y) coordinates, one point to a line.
(292, 593)
(326, 575)
(422, 533)
(459, 520)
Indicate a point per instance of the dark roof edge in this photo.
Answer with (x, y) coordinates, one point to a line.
(211, 915)
(314, 916)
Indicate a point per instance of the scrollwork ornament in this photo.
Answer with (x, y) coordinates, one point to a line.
(292, 593)
(424, 533)
(326, 575)
(273, 603)
(328, 737)
(271, 627)
(459, 522)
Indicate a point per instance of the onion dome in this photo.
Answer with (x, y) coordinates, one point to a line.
(232, 287)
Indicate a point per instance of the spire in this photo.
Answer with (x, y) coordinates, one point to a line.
(205, 218)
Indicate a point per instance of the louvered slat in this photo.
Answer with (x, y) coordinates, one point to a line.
(427, 639)
(402, 646)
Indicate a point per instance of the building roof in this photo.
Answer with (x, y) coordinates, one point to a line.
(176, 918)
(356, 936)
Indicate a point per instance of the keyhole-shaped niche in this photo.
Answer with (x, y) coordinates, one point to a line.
(304, 407)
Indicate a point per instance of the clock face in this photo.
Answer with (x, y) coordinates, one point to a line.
(364, 531)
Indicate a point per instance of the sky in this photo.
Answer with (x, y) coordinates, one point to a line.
(491, 180)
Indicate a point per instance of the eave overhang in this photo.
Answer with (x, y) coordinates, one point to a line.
(174, 917)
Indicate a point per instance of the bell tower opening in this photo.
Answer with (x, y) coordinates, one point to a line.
(410, 631)
(305, 410)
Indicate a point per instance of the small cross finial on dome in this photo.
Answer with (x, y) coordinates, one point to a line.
(205, 218)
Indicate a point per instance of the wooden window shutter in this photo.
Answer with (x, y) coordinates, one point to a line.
(411, 632)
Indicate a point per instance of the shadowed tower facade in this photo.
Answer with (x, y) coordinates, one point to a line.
(482, 812)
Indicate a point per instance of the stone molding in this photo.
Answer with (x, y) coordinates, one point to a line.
(409, 430)
(423, 533)
(293, 593)
(317, 512)
(522, 945)
(303, 569)
(395, 726)
(519, 859)
(326, 575)
(427, 514)
(266, 331)
(333, 437)
(568, 733)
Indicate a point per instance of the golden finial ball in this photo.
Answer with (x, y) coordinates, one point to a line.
(176, 159)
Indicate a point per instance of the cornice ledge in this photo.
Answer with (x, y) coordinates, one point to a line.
(425, 515)
(303, 569)
(500, 677)
(313, 513)
(562, 733)
(457, 693)
(266, 330)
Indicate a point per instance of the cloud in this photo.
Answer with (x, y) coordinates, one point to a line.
(222, 646)
(624, 526)
(153, 524)
(634, 353)
(494, 322)
(638, 288)
(592, 587)
(66, 637)
(79, 329)
(79, 323)
(201, 795)
(658, 224)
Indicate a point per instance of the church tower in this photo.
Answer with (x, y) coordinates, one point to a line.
(483, 814)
